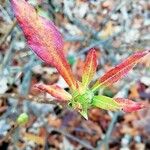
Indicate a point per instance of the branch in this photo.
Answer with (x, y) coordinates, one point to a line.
(8, 32)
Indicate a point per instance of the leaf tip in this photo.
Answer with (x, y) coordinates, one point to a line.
(84, 114)
(130, 106)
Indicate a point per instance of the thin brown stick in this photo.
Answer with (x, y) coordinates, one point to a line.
(30, 98)
(9, 134)
(8, 32)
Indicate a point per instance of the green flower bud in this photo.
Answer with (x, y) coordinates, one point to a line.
(22, 119)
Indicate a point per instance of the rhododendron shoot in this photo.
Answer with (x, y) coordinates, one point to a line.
(46, 42)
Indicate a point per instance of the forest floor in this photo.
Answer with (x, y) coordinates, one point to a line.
(116, 29)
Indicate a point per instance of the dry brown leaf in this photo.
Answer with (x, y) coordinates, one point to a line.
(54, 121)
(146, 61)
(35, 138)
(134, 92)
(126, 129)
(108, 30)
(140, 146)
(130, 117)
(108, 4)
(3, 108)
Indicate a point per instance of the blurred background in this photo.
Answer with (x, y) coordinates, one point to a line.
(116, 29)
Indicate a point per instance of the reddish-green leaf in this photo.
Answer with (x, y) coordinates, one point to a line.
(55, 91)
(43, 38)
(89, 68)
(120, 70)
(114, 104)
(105, 102)
(128, 105)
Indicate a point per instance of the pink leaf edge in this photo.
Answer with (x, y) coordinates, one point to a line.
(55, 91)
(129, 106)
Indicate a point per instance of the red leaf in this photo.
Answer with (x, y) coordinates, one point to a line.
(128, 105)
(89, 68)
(43, 38)
(120, 70)
(55, 91)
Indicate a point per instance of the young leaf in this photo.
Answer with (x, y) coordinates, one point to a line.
(128, 105)
(89, 68)
(84, 113)
(120, 70)
(105, 102)
(55, 91)
(43, 38)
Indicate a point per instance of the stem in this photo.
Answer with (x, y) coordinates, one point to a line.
(109, 131)
(83, 143)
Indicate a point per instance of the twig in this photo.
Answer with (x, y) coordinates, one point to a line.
(83, 27)
(105, 141)
(110, 129)
(97, 43)
(85, 144)
(7, 57)
(5, 13)
(28, 98)
(8, 32)
(75, 38)
(9, 134)
(107, 137)
(119, 4)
